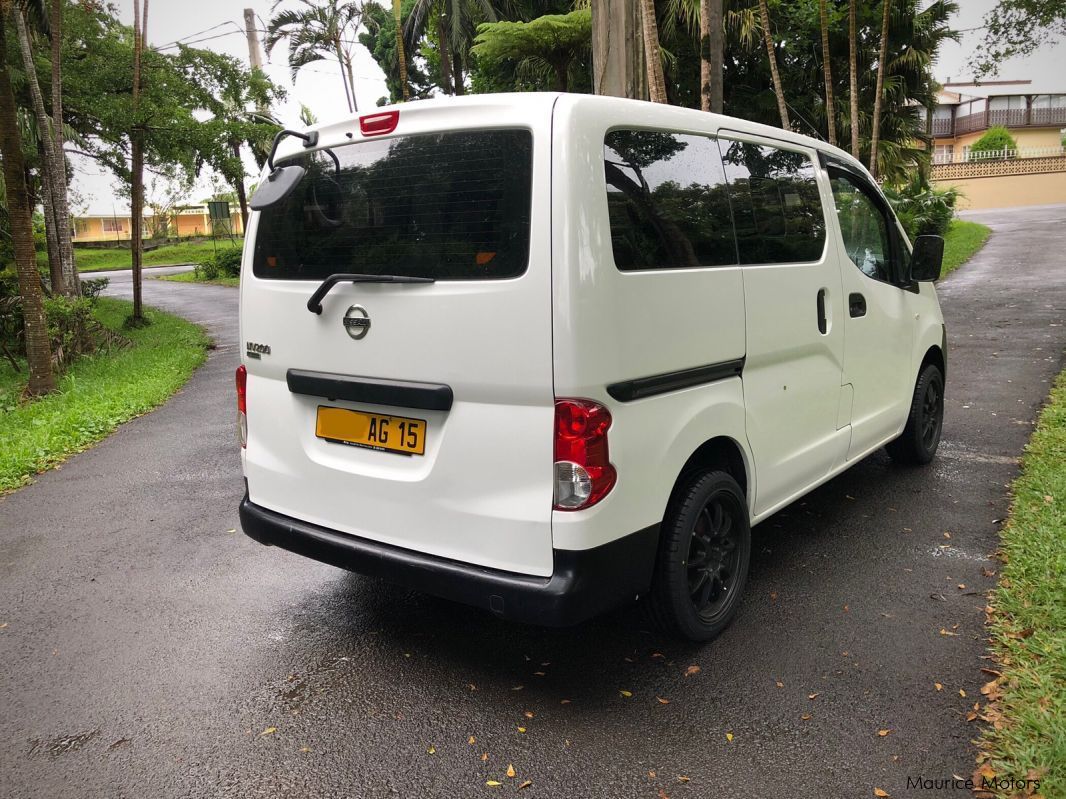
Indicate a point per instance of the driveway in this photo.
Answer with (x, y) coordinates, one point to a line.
(151, 650)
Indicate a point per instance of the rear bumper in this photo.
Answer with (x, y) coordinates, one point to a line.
(584, 583)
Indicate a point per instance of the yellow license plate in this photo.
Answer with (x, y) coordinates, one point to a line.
(372, 430)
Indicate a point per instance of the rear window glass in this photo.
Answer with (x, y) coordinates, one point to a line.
(667, 200)
(451, 206)
(777, 210)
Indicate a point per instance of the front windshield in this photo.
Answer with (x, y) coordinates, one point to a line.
(449, 206)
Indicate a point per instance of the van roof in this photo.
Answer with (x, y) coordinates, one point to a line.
(471, 105)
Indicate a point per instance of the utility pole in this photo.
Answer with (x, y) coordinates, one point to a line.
(255, 55)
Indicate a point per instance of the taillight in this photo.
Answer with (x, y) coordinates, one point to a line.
(242, 405)
(378, 124)
(583, 471)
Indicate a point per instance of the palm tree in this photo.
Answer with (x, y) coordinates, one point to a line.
(455, 23)
(140, 31)
(55, 23)
(38, 347)
(775, 76)
(875, 130)
(853, 71)
(830, 108)
(652, 53)
(322, 29)
(712, 45)
(53, 165)
(401, 56)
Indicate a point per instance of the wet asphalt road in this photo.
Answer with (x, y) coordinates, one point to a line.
(147, 646)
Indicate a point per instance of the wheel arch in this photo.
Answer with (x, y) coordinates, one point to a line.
(720, 452)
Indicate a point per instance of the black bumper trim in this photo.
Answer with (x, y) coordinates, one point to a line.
(584, 584)
(371, 390)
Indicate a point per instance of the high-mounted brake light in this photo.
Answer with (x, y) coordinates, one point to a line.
(377, 124)
(583, 471)
(242, 405)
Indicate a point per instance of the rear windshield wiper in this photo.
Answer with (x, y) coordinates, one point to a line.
(314, 304)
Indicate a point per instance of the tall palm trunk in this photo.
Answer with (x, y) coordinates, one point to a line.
(401, 56)
(875, 128)
(830, 108)
(49, 168)
(63, 219)
(775, 76)
(853, 72)
(458, 72)
(351, 83)
(140, 28)
(445, 57)
(55, 261)
(344, 77)
(712, 35)
(652, 55)
(38, 348)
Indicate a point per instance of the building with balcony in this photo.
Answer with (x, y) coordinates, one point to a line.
(1032, 173)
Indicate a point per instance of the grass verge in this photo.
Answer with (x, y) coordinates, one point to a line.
(96, 394)
(190, 277)
(961, 243)
(185, 252)
(1027, 620)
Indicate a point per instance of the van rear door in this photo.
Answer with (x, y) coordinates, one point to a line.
(417, 414)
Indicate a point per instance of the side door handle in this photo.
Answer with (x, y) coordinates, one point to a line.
(856, 305)
(822, 324)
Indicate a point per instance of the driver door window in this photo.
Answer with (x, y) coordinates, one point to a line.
(864, 227)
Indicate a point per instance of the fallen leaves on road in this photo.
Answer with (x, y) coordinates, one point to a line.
(471, 740)
(511, 773)
(880, 793)
(806, 717)
(780, 684)
(493, 783)
(268, 731)
(681, 778)
(812, 696)
(305, 749)
(518, 688)
(883, 733)
(525, 785)
(528, 714)
(484, 756)
(729, 737)
(938, 686)
(432, 750)
(947, 632)
(565, 701)
(962, 693)
(662, 701)
(522, 729)
(626, 694)
(692, 670)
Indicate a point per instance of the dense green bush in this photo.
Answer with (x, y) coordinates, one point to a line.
(923, 209)
(995, 139)
(224, 263)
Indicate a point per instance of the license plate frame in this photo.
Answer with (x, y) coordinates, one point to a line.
(374, 431)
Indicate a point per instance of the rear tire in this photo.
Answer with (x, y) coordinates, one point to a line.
(704, 551)
(920, 438)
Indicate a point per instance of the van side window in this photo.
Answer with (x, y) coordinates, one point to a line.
(667, 201)
(864, 226)
(776, 206)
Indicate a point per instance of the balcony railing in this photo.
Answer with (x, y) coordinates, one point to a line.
(997, 155)
(1011, 118)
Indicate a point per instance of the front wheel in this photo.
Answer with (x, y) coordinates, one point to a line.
(704, 550)
(921, 436)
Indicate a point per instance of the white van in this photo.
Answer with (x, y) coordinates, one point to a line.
(549, 353)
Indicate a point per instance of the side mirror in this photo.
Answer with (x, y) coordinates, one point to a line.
(278, 185)
(927, 258)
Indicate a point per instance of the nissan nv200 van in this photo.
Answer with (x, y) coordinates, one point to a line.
(546, 354)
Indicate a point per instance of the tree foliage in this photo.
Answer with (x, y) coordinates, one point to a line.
(557, 42)
(1018, 28)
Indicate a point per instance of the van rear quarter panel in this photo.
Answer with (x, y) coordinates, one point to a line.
(610, 326)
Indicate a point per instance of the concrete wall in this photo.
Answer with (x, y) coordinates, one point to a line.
(92, 228)
(1009, 191)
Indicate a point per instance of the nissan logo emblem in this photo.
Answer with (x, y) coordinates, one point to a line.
(357, 322)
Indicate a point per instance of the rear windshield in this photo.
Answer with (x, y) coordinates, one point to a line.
(451, 206)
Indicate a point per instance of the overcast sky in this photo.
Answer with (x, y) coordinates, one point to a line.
(219, 25)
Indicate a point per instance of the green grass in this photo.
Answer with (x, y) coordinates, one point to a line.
(1028, 618)
(96, 394)
(961, 243)
(186, 252)
(190, 277)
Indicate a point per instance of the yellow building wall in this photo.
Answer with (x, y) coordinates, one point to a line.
(92, 229)
(1009, 191)
(1025, 137)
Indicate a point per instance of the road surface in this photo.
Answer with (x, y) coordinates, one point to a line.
(150, 650)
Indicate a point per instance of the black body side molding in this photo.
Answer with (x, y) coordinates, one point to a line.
(641, 387)
(371, 390)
